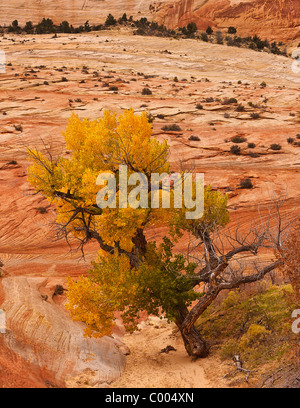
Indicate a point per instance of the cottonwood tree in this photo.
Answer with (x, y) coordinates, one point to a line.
(132, 273)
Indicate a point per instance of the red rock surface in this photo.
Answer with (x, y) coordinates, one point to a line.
(272, 19)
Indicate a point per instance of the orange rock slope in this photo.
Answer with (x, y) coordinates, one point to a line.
(273, 19)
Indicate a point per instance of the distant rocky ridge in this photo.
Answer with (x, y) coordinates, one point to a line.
(272, 19)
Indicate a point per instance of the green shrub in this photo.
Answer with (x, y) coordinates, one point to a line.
(240, 108)
(228, 101)
(172, 128)
(232, 299)
(194, 138)
(231, 30)
(255, 334)
(275, 146)
(146, 91)
(235, 149)
(246, 183)
(238, 139)
(110, 21)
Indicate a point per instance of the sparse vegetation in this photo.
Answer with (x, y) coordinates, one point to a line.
(194, 138)
(246, 183)
(251, 145)
(238, 139)
(146, 91)
(275, 146)
(235, 149)
(255, 325)
(172, 128)
(145, 27)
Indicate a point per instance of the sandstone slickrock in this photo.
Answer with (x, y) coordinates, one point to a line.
(39, 331)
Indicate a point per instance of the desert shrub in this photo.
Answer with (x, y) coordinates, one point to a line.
(255, 334)
(113, 88)
(232, 299)
(65, 27)
(199, 106)
(275, 146)
(263, 84)
(160, 116)
(146, 91)
(235, 149)
(172, 128)
(219, 37)
(42, 210)
(229, 349)
(46, 26)
(59, 290)
(64, 79)
(246, 183)
(254, 115)
(19, 128)
(14, 27)
(240, 108)
(28, 28)
(238, 139)
(270, 309)
(231, 30)
(191, 28)
(209, 30)
(194, 138)
(110, 21)
(251, 145)
(290, 140)
(253, 154)
(204, 37)
(150, 117)
(228, 101)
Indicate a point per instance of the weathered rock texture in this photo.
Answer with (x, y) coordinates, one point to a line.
(270, 18)
(39, 332)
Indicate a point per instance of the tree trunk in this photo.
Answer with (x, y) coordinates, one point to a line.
(195, 345)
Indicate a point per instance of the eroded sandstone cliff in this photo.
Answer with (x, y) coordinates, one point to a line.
(274, 19)
(278, 19)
